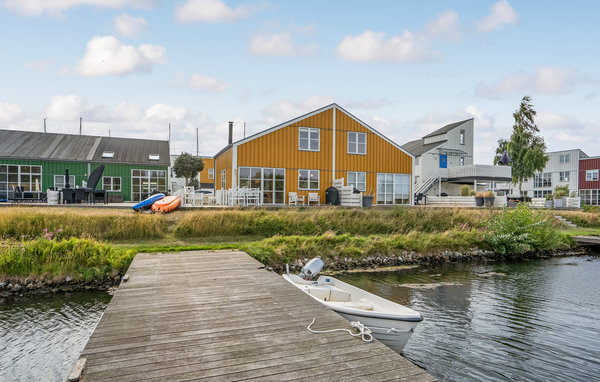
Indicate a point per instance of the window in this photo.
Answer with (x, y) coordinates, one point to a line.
(211, 173)
(108, 154)
(541, 193)
(590, 197)
(543, 180)
(308, 139)
(153, 157)
(591, 175)
(564, 176)
(308, 179)
(59, 181)
(223, 179)
(29, 178)
(271, 182)
(145, 182)
(462, 161)
(358, 180)
(111, 183)
(357, 143)
(393, 189)
(462, 137)
(565, 158)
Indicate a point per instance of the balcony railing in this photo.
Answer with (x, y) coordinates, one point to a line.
(480, 171)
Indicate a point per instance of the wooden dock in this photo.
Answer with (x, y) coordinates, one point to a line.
(587, 240)
(219, 315)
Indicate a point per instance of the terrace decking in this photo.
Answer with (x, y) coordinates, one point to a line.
(220, 315)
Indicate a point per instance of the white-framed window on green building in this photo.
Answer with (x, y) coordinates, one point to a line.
(309, 139)
(26, 177)
(223, 179)
(145, 182)
(271, 182)
(357, 143)
(358, 180)
(393, 188)
(59, 181)
(308, 179)
(211, 173)
(111, 183)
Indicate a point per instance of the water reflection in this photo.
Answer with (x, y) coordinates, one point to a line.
(42, 337)
(501, 321)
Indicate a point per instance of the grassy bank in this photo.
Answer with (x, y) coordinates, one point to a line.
(100, 243)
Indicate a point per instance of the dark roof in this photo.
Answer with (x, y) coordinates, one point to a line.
(81, 148)
(417, 147)
(447, 128)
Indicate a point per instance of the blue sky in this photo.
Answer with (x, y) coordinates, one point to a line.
(406, 68)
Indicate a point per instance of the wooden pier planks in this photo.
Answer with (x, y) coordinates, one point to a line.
(219, 315)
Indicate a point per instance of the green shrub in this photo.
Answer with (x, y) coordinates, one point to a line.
(521, 230)
(561, 192)
(465, 190)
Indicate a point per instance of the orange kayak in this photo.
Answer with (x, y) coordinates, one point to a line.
(167, 204)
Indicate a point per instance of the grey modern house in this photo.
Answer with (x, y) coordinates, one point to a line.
(444, 162)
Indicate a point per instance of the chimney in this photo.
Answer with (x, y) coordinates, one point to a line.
(230, 132)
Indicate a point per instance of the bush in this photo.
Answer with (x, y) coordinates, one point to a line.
(464, 190)
(521, 230)
(561, 191)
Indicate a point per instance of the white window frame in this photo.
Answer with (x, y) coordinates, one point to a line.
(564, 176)
(394, 191)
(565, 158)
(462, 137)
(211, 173)
(309, 130)
(355, 182)
(5, 188)
(112, 184)
(262, 180)
(63, 181)
(148, 176)
(353, 148)
(591, 175)
(308, 179)
(223, 179)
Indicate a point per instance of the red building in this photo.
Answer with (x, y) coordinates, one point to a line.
(589, 180)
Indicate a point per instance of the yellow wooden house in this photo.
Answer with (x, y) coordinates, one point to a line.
(306, 153)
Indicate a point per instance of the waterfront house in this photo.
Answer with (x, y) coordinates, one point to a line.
(206, 177)
(307, 153)
(589, 180)
(444, 162)
(37, 161)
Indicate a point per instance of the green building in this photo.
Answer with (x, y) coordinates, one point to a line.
(37, 162)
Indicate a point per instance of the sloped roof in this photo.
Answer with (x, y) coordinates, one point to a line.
(447, 128)
(81, 148)
(417, 147)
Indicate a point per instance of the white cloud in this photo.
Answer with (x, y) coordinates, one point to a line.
(57, 7)
(445, 26)
(285, 110)
(544, 80)
(501, 14)
(372, 46)
(105, 55)
(209, 11)
(207, 83)
(309, 29)
(130, 26)
(40, 66)
(64, 108)
(9, 112)
(280, 44)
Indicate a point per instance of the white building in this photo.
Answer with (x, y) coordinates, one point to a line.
(444, 162)
(561, 169)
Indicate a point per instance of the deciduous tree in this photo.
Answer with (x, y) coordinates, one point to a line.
(187, 166)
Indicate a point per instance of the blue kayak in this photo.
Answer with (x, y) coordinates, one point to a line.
(148, 202)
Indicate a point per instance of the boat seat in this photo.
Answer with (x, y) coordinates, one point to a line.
(329, 293)
(357, 305)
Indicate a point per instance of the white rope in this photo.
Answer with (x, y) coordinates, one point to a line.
(364, 333)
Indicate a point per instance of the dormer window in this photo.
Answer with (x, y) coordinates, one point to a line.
(154, 157)
(108, 154)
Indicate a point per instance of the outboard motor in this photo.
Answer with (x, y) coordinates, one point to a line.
(312, 268)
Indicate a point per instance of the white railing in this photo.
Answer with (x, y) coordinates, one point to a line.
(451, 201)
(573, 202)
(425, 186)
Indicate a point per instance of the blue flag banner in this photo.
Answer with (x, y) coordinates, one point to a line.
(443, 161)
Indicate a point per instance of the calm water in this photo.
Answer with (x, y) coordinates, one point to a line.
(42, 337)
(501, 321)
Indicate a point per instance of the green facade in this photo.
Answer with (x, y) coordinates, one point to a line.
(81, 172)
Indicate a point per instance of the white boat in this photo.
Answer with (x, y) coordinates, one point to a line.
(391, 323)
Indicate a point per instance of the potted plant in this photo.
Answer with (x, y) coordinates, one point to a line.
(479, 199)
(549, 198)
(560, 192)
(367, 199)
(488, 198)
